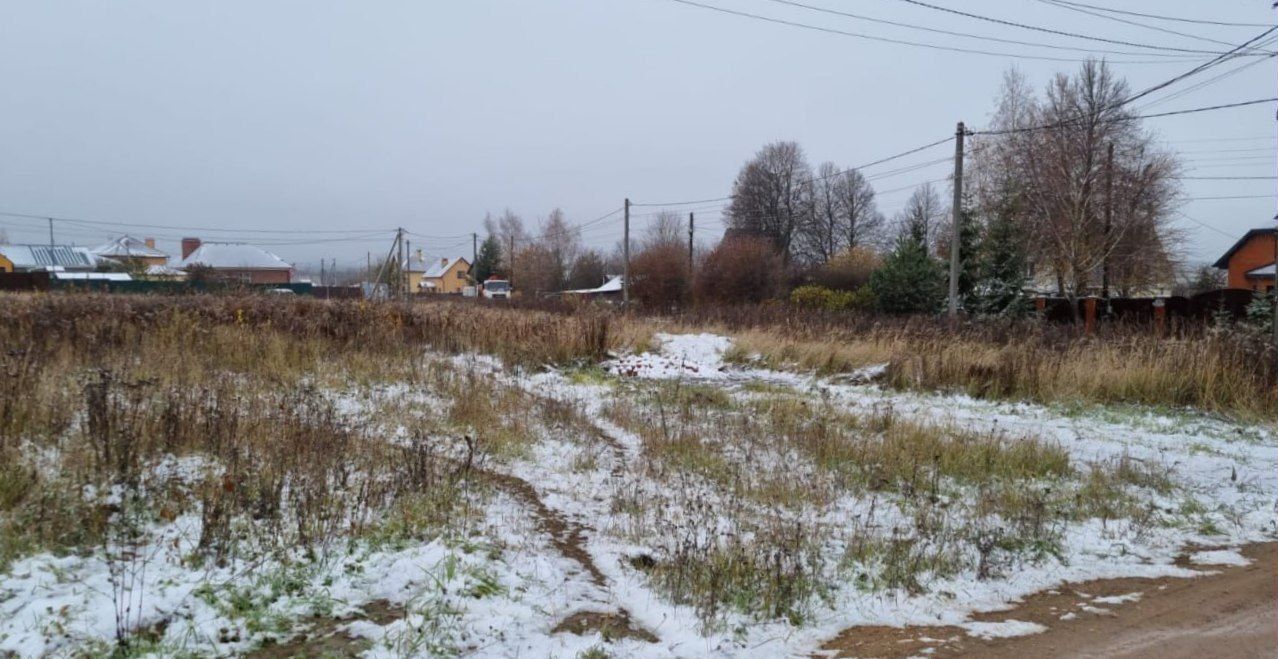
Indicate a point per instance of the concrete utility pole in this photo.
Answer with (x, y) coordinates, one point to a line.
(474, 249)
(625, 248)
(510, 276)
(50, 232)
(404, 265)
(691, 220)
(957, 229)
(399, 281)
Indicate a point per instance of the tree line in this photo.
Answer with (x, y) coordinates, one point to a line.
(1066, 190)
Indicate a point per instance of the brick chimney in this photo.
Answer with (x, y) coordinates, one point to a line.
(150, 242)
(443, 262)
(189, 245)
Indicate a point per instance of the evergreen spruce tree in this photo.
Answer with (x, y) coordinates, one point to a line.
(910, 280)
(1001, 262)
(488, 261)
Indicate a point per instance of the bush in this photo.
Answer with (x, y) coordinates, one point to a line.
(849, 270)
(819, 297)
(739, 270)
(660, 275)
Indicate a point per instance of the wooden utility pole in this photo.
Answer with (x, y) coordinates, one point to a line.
(625, 248)
(691, 220)
(368, 265)
(406, 266)
(957, 228)
(1109, 221)
(474, 248)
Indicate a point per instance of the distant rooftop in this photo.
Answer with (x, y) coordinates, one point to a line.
(46, 257)
(126, 247)
(234, 256)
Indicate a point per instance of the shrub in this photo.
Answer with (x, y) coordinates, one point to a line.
(661, 275)
(849, 270)
(819, 297)
(739, 270)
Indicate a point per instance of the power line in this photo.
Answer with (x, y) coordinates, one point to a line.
(179, 228)
(1223, 106)
(858, 35)
(836, 12)
(1254, 196)
(1048, 30)
(1070, 7)
(1160, 17)
(1226, 178)
(1205, 225)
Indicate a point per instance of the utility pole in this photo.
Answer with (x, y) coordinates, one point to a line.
(321, 272)
(510, 276)
(691, 220)
(1109, 221)
(399, 243)
(368, 266)
(625, 248)
(957, 229)
(474, 249)
(404, 270)
(50, 232)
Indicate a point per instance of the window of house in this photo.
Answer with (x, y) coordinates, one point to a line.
(461, 275)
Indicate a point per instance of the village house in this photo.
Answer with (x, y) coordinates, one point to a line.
(131, 252)
(233, 262)
(446, 276)
(1250, 262)
(45, 258)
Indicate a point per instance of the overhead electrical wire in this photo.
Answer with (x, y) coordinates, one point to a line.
(1160, 17)
(1070, 7)
(1063, 33)
(904, 42)
(968, 35)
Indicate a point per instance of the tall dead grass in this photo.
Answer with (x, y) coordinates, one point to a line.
(1198, 367)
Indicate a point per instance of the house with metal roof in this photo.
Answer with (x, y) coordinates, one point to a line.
(234, 262)
(128, 250)
(1250, 261)
(45, 258)
(445, 275)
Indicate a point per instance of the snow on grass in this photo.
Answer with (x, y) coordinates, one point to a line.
(1219, 557)
(500, 588)
(1119, 599)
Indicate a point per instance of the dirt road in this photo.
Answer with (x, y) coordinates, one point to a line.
(1226, 615)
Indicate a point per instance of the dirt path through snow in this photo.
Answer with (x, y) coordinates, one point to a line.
(1230, 614)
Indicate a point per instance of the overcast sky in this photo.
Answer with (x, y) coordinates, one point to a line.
(305, 117)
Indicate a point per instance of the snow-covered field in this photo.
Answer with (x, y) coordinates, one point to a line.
(657, 502)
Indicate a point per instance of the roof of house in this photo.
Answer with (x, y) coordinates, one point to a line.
(92, 276)
(613, 285)
(1223, 261)
(234, 256)
(164, 271)
(441, 266)
(46, 257)
(128, 247)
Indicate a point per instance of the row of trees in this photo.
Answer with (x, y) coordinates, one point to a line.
(1065, 189)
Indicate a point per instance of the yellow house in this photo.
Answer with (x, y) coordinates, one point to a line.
(447, 276)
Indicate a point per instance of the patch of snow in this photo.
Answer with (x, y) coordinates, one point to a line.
(1219, 557)
(1118, 599)
(1004, 629)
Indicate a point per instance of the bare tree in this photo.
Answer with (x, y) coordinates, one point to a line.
(562, 242)
(922, 216)
(1051, 168)
(507, 228)
(842, 215)
(770, 195)
(666, 228)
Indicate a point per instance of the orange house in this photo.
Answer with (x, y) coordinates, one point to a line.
(1250, 261)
